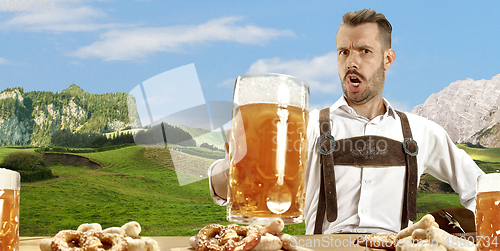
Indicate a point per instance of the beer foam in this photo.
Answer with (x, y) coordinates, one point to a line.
(9, 179)
(488, 182)
(272, 88)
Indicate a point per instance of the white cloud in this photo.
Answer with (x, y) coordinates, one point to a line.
(4, 61)
(227, 83)
(65, 16)
(76, 63)
(137, 43)
(320, 72)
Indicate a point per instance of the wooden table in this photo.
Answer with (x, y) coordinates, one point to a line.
(173, 243)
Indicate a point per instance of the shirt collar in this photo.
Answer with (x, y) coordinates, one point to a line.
(342, 104)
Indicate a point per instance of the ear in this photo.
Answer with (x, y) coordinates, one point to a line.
(389, 57)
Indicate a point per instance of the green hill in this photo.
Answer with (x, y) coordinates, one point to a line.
(139, 184)
(205, 136)
(482, 154)
(132, 186)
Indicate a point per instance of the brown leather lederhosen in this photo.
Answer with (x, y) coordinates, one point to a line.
(391, 153)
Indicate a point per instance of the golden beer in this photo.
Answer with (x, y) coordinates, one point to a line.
(268, 157)
(10, 184)
(9, 234)
(488, 211)
(488, 220)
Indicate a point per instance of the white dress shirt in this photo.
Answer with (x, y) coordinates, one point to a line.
(370, 199)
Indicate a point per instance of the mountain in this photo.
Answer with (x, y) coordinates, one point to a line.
(468, 110)
(31, 118)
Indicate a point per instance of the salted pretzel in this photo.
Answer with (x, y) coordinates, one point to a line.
(91, 237)
(215, 237)
(378, 240)
(98, 240)
(92, 240)
(67, 240)
(251, 239)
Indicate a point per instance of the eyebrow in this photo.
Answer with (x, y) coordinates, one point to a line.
(360, 47)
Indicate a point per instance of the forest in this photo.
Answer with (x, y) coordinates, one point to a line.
(83, 114)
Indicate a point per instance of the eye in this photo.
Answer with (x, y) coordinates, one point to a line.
(366, 51)
(343, 52)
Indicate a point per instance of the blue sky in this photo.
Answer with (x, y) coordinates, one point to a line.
(113, 46)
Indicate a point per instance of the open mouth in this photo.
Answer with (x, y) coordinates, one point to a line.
(355, 81)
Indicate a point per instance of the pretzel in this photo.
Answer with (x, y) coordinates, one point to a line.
(97, 240)
(407, 244)
(215, 237)
(251, 239)
(151, 244)
(419, 234)
(67, 240)
(132, 229)
(426, 235)
(46, 244)
(91, 237)
(426, 222)
(135, 244)
(262, 229)
(206, 238)
(275, 226)
(89, 226)
(114, 230)
(378, 240)
(286, 240)
(444, 238)
(268, 242)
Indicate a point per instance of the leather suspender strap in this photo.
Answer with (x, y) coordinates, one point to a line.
(410, 148)
(328, 193)
(320, 213)
(327, 201)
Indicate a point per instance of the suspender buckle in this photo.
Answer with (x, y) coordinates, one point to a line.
(332, 140)
(405, 141)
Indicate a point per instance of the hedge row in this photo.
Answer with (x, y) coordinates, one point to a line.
(29, 164)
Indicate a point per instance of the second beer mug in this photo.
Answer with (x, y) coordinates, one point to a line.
(10, 185)
(268, 149)
(488, 211)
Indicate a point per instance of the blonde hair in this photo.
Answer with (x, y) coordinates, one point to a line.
(355, 18)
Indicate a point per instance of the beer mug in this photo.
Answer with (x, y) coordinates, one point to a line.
(488, 211)
(268, 149)
(10, 184)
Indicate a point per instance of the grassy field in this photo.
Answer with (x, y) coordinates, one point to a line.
(140, 184)
(131, 187)
(6, 150)
(482, 154)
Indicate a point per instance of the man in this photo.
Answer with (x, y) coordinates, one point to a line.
(379, 153)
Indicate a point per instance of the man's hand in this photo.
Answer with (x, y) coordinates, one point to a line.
(219, 175)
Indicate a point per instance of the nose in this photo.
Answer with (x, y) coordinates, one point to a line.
(352, 62)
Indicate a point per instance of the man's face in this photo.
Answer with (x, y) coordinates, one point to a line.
(361, 62)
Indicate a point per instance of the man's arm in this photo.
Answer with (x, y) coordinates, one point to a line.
(218, 180)
(218, 176)
(442, 159)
